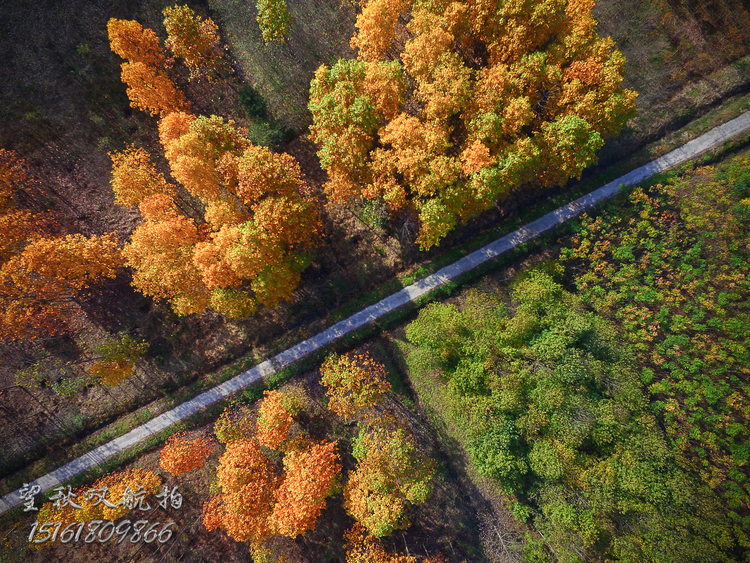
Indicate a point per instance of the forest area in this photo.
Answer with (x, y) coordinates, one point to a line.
(187, 190)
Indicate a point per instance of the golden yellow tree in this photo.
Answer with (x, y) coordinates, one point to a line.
(43, 273)
(149, 87)
(134, 176)
(363, 548)
(518, 94)
(160, 252)
(193, 39)
(353, 382)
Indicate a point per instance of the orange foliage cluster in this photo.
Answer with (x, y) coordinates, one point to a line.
(131, 41)
(181, 454)
(309, 477)
(274, 421)
(354, 382)
(149, 87)
(247, 480)
(521, 93)
(256, 501)
(362, 548)
(41, 274)
(260, 219)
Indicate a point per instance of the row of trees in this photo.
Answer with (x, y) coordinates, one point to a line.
(258, 216)
(273, 479)
(477, 103)
(495, 103)
(481, 100)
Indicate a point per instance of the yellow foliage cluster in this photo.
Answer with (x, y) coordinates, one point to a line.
(192, 38)
(111, 488)
(353, 382)
(505, 95)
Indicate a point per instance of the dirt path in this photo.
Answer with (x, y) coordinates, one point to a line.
(690, 150)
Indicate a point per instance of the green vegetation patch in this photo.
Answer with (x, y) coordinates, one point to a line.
(671, 270)
(549, 407)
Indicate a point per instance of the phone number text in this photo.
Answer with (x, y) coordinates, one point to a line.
(101, 531)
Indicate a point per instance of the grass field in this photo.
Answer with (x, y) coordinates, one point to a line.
(320, 33)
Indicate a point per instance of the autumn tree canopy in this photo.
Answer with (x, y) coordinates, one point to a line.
(43, 272)
(391, 473)
(259, 220)
(311, 471)
(504, 95)
(257, 501)
(182, 454)
(149, 87)
(353, 382)
(192, 38)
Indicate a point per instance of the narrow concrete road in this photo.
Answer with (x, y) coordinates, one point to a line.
(709, 140)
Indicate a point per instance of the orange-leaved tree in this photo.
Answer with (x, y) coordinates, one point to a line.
(391, 473)
(353, 382)
(160, 252)
(42, 273)
(274, 420)
(131, 41)
(151, 90)
(518, 94)
(311, 472)
(247, 480)
(39, 286)
(182, 454)
(259, 223)
(193, 39)
(149, 87)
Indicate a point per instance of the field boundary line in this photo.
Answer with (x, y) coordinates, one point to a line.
(99, 455)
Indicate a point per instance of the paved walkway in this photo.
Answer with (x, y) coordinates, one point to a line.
(95, 457)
